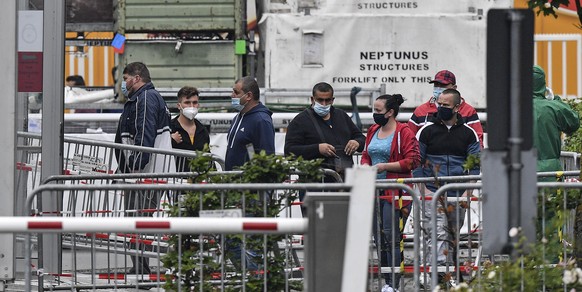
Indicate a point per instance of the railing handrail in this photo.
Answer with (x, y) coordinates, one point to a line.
(113, 145)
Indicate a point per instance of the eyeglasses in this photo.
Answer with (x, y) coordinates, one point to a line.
(324, 100)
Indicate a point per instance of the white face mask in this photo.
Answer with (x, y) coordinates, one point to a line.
(189, 112)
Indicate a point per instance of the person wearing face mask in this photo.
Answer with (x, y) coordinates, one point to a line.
(392, 147)
(550, 119)
(444, 79)
(323, 131)
(145, 121)
(251, 131)
(445, 144)
(187, 132)
(252, 128)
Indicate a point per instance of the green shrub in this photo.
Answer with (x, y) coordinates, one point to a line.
(261, 169)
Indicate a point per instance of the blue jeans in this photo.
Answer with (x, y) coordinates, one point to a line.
(450, 218)
(233, 245)
(390, 235)
(234, 250)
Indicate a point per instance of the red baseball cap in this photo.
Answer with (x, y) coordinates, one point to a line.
(445, 77)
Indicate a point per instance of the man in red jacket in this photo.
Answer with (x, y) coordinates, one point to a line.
(444, 79)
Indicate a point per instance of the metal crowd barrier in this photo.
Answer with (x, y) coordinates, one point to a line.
(85, 156)
(469, 256)
(417, 270)
(467, 242)
(469, 251)
(452, 276)
(115, 246)
(570, 160)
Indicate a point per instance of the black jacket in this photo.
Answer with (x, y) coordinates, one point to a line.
(201, 138)
(303, 140)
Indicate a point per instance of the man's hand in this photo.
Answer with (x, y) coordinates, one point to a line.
(177, 137)
(327, 150)
(351, 147)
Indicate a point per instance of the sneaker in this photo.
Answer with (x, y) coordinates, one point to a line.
(387, 288)
(425, 281)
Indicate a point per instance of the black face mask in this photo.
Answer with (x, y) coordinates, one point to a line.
(380, 119)
(445, 113)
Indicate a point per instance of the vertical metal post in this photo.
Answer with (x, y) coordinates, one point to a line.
(252, 55)
(52, 124)
(21, 125)
(324, 244)
(8, 75)
(240, 8)
(515, 140)
(508, 164)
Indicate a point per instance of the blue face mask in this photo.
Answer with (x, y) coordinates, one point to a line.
(236, 104)
(124, 88)
(436, 92)
(321, 110)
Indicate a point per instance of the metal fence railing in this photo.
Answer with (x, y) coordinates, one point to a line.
(97, 255)
(118, 248)
(438, 238)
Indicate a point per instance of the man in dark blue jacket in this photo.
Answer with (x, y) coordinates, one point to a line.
(250, 132)
(145, 121)
(252, 129)
(445, 144)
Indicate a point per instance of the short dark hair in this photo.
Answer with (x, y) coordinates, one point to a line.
(187, 92)
(138, 68)
(392, 102)
(78, 79)
(249, 84)
(322, 87)
(456, 94)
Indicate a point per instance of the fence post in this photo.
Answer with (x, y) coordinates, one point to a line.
(359, 229)
(325, 240)
(53, 126)
(7, 157)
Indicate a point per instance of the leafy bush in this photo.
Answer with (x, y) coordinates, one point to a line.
(536, 266)
(261, 169)
(574, 142)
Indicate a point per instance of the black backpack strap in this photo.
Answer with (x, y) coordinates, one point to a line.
(316, 124)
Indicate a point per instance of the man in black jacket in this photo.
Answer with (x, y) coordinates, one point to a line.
(187, 132)
(323, 131)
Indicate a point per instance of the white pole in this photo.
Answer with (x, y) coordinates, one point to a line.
(359, 230)
(153, 225)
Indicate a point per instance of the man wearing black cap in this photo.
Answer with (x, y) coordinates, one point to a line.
(444, 79)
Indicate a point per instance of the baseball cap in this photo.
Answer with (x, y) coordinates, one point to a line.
(444, 77)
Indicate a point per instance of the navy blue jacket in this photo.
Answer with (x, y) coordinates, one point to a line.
(145, 121)
(253, 127)
(443, 151)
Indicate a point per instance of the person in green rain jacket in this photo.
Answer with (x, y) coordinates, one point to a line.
(551, 117)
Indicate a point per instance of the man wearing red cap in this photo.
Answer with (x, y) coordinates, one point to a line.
(444, 79)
